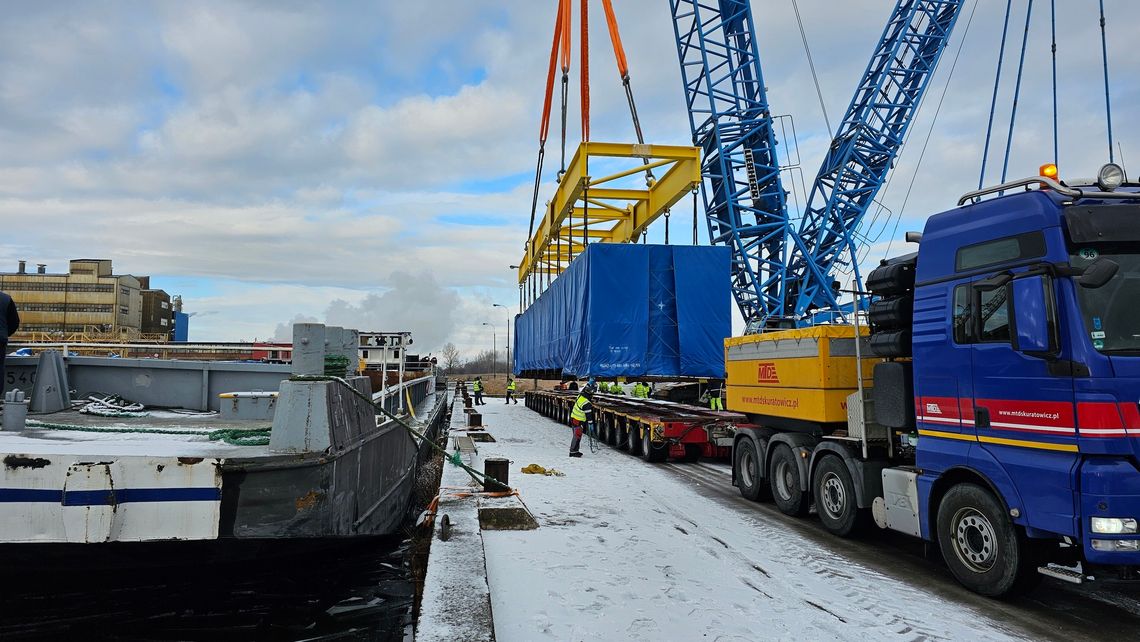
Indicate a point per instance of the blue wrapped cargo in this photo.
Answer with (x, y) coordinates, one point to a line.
(624, 310)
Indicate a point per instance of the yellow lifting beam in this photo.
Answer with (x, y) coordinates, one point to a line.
(608, 213)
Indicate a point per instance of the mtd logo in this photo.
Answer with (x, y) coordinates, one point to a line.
(766, 373)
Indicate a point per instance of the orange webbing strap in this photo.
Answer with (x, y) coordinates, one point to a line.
(544, 129)
(615, 38)
(585, 46)
(564, 9)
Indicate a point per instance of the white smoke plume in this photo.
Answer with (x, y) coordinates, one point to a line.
(284, 331)
(415, 302)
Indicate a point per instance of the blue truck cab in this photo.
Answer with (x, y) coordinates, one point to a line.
(1025, 346)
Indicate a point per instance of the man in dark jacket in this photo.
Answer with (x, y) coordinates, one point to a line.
(9, 323)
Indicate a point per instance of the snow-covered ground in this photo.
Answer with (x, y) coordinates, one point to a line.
(626, 550)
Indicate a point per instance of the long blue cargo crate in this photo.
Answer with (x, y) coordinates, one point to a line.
(624, 310)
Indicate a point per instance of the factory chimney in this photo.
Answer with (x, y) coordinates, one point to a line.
(23, 267)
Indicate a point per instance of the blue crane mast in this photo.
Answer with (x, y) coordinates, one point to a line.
(780, 275)
(727, 101)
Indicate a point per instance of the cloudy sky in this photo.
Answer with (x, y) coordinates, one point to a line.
(370, 163)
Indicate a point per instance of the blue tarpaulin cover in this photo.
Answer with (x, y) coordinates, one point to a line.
(625, 310)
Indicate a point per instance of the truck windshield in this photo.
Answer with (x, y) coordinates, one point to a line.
(1112, 313)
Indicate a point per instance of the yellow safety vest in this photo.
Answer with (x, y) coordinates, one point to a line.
(511, 385)
(579, 411)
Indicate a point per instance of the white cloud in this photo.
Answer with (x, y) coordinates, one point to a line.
(305, 151)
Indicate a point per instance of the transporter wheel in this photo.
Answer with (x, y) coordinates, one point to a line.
(983, 548)
(784, 475)
(653, 453)
(746, 471)
(604, 429)
(635, 440)
(693, 453)
(623, 435)
(835, 500)
(612, 433)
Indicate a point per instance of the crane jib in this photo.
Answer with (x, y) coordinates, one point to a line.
(788, 273)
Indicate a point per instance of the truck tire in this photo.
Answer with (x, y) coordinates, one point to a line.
(693, 453)
(612, 432)
(835, 499)
(623, 436)
(635, 440)
(784, 476)
(984, 550)
(746, 471)
(653, 453)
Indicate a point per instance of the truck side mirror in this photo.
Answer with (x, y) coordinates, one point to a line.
(1032, 314)
(1098, 273)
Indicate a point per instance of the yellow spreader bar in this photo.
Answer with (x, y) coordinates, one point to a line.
(604, 212)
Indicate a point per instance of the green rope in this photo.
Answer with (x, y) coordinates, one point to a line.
(336, 365)
(455, 459)
(232, 436)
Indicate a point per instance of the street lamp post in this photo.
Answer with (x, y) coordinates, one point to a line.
(494, 351)
(508, 311)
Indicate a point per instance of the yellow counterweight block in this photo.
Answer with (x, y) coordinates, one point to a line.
(803, 374)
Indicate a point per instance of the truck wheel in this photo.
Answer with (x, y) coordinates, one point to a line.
(634, 440)
(746, 471)
(835, 500)
(611, 432)
(623, 436)
(653, 453)
(693, 453)
(785, 481)
(980, 544)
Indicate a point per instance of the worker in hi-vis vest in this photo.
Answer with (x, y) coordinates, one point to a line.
(581, 414)
(511, 390)
(716, 398)
(477, 388)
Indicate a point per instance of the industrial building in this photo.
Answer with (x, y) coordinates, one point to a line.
(90, 302)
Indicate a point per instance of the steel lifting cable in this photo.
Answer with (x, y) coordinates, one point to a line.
(564, 12)
(1107, 95)
(811, 65)
(1053, 48)
(1016, 92)
(694, 217)
(993, 100)
(623, 72)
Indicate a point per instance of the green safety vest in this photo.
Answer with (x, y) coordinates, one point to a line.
(511, 385)
(579, 411)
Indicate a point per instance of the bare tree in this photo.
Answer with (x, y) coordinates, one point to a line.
(450, 356)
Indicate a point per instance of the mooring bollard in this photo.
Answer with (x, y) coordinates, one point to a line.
(499, 469)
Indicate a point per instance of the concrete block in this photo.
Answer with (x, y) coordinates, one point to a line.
(301, 422)
(308, 349)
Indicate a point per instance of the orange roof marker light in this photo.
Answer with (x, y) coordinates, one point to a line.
(1049, 170)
